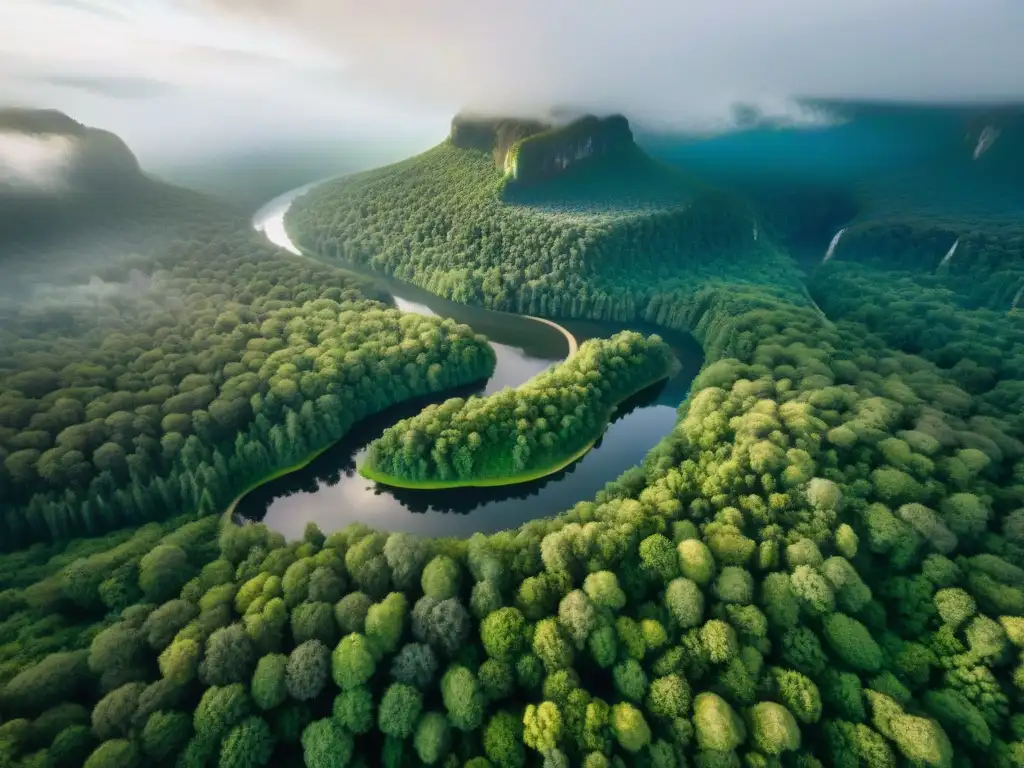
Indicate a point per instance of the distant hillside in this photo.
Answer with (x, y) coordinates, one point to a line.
(73, 200)
(63, 185)
(547, 228)
(956, 212)
(906, 183)
(93, 158)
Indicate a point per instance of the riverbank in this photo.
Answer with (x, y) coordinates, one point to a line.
(302, 464)
(314, 492)
(523, 477)
(573, 344)
(310, 458)
(274, 229)
(381, 279)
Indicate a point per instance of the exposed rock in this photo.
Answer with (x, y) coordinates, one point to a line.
(529, 150)
(492, 134)
(551, 153)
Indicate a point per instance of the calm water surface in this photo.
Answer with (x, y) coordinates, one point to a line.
(330, 493)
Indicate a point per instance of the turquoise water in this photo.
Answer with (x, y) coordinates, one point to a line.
(875, 162)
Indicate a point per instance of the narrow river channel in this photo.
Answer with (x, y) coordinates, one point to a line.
(330, 493)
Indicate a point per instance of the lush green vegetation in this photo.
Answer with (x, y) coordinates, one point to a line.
(523, 432)
(986, 267)
(603, 241)
(821, 564)
(230, 361)
(549, 153)
(981, 349)
(195, 361)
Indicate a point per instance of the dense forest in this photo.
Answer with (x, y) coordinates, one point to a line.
(927, 187)
(596, 242)
(822, 563)
(196, 360)
(984, 261)
(521, 432)
(217, 364)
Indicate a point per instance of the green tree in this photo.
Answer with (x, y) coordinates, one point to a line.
(307, 670)
(229, 656)
(441, 578)
(163, 571)
(542, 727)
(269, 688)
(165, 735)
(352, 662)
(432, 737)
(399, 710)
(460, 691)
(248, 745)
(117, 753)
(354, 710)
(503, 633)
(503, 740)
(325, 744)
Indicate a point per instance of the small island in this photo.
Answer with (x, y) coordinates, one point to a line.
(520, 434)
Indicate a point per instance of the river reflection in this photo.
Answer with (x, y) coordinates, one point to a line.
(330, 493)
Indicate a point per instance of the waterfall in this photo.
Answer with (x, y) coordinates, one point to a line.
(755, 232)
(832, 246)
(949, 253)
(985, 140)
(1016, 299)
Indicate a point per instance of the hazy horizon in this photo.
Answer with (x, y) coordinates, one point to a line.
(184, 79)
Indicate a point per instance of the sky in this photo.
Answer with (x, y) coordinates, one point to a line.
(183, 76)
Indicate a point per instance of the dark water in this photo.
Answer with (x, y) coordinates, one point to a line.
(330, 493)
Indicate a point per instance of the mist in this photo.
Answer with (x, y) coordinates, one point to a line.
(34, 164)
(193, 92)
(190, 82)
(681, 65)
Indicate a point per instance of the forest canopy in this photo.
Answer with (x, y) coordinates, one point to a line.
(603, 241)
(184, 358)
(822, 563)
(519, 432)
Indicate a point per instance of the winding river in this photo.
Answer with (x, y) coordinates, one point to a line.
(330, 493)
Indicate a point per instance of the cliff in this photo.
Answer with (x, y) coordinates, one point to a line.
(492, 134)
(529, 151)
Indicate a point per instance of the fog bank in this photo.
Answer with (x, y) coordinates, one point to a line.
(34, 163)
(184, 79)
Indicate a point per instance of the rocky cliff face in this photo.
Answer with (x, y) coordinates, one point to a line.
(493, 134)
(548, 154)
(529, 151)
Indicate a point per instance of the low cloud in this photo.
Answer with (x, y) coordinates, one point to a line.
(34, 163)
(179, 79)
(677, 63)
(178, 83)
